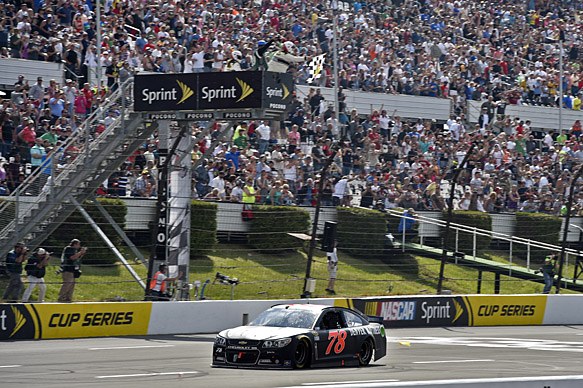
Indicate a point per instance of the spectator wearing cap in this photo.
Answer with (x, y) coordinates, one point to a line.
(35, 269)
(242, 139)
(407, 223)
(277, 156)
(140, 186)
(151, 154)
(293, 139)
(112, 73)
(36, 93)
(80, 105)
(89, 97)
(72, 60)
(233, 157)
(57, 104)
(218, 182)
(36, 153)
(26, 138)
(70, 93)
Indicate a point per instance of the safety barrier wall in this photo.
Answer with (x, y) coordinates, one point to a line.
(407, 106)
(11, 68)
(142, 211)
(541, 117)
(52, 320)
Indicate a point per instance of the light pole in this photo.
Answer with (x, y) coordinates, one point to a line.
(98, 21)
(561, 91)
(335, 59)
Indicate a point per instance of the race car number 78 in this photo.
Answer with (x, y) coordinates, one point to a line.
(333, 335)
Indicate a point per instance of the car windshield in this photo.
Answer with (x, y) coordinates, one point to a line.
(285, 318)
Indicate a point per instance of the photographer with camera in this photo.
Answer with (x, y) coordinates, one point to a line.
(548, 269)
(71, 266)
(157, 289)
(14, 260)
(35, 269)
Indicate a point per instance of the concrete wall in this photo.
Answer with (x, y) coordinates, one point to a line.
(542, 117)
(407, 106)
(11, 68)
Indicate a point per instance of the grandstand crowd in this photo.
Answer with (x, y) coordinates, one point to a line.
(499, 53)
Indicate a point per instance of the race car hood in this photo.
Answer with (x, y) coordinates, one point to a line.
(261, 332)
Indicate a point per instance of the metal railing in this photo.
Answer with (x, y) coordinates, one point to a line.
(11, 209)
(475, 232)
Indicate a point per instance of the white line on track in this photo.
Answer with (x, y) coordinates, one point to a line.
(450, 361)
(147, 375)
(350, 382)
(133, 347)
(9, 366)
(530, 381)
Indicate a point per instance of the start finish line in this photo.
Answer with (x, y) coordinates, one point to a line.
(208, 96)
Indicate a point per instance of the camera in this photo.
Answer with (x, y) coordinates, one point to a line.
(224, 279)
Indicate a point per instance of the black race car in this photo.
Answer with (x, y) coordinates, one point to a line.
(302, 335)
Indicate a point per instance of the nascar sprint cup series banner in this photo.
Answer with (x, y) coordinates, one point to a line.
(37, 321)
(476, 310)
(210, 91)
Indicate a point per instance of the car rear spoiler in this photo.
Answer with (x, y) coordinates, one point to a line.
(375, 319)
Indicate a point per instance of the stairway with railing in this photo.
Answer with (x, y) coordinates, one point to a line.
(75, 170)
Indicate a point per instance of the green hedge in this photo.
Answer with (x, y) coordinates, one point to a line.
(203, 227)
(538, 227)
(466, 240)
(77, 227)
(271, 224)
(361, 232)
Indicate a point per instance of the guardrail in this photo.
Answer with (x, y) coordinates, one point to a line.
(511, 240)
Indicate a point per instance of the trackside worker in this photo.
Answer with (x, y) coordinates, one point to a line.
(549, 269)
(157, 289)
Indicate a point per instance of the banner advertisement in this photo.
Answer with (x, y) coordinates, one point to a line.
(277, 90)
(165, 92)
(493, 310)
(477, 310)
(211, 91)
(231, 90)
(19, 321)
(40, 321)
(414, 311)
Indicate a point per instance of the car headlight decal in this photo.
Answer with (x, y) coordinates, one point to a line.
(279, 343)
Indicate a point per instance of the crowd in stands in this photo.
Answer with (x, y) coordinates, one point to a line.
(462, 50)
(37, 120)
(497, 52)
(408, 166)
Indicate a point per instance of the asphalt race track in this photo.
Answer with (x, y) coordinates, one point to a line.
(183, 361)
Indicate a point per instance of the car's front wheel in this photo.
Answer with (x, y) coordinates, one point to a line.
(302, 354)
(366, 351)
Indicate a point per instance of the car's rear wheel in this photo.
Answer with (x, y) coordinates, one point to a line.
(366, 351)
(302, 354)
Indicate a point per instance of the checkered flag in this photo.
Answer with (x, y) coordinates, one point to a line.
(315, 68)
